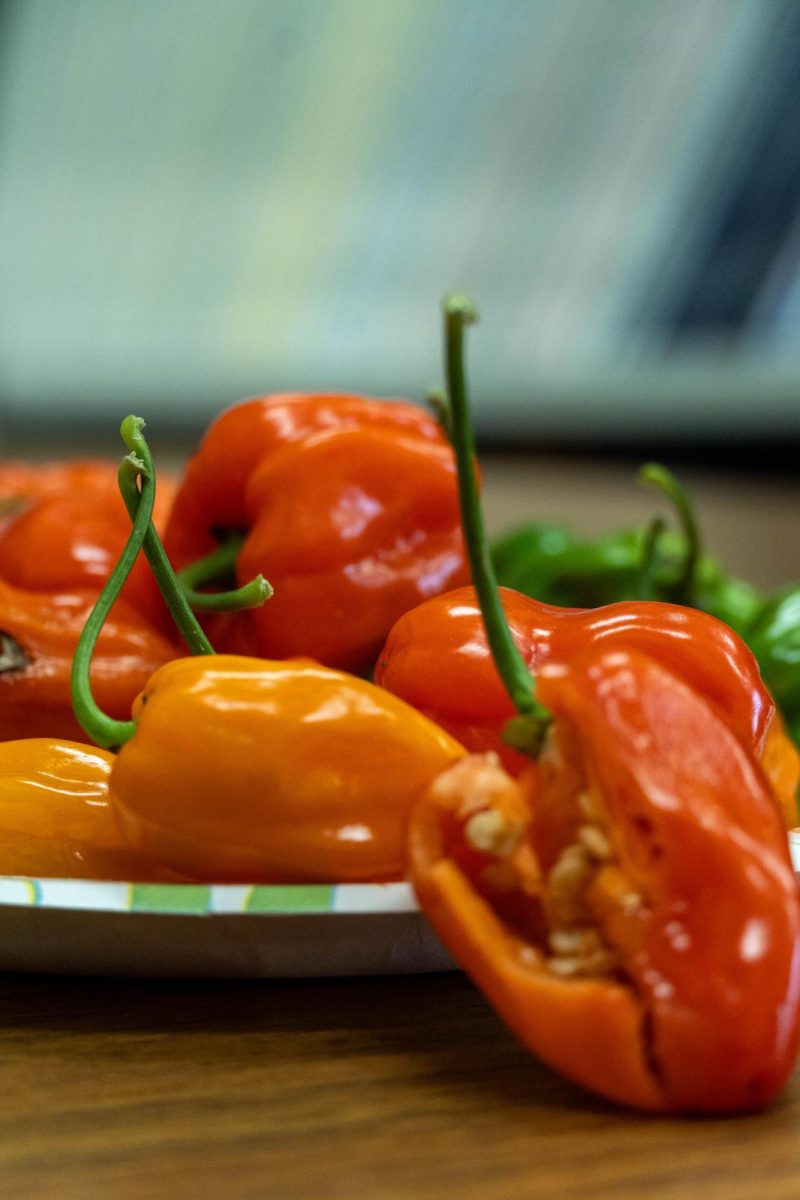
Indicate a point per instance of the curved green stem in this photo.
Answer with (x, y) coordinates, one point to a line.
(101, 728)
(437, 402)
(136, 466)
(141, 462)
(218, 563)
(458, 313)
(662, 479)
(646, 588)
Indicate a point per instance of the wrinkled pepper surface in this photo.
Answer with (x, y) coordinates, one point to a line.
(628, 904)
(552, 564)
(347, 505)
(55, 816)
(650, 562)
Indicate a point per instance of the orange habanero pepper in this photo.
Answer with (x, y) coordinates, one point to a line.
(246, 769)
(236, 768)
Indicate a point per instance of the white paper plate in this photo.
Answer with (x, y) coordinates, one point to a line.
(85, 927)
(82, 927)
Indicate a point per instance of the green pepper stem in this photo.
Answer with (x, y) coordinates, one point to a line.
(136, 466)
(218, 563)
(437, 402)
(458, 313)
(646, 588)
(179, 609)
(102, 729)
(662, 479)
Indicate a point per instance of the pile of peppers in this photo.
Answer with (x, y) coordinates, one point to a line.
(589, 789)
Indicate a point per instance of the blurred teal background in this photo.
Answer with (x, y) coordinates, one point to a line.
(203, 199)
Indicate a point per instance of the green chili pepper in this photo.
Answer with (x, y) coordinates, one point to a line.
(648, 562)
(774, 638)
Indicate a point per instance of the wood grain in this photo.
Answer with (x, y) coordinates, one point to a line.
(397, 1088)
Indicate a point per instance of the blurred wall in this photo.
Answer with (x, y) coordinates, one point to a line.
(202, 199)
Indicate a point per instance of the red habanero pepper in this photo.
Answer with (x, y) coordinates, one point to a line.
(39, 632)
(628, 904)
(63, 540)
(438, 659)
(212, 493)
(347, 504)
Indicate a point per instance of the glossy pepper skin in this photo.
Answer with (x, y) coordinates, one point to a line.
(246, 769)
(55, 816)
(63, 540)
(628, 904)
(38, 635)
(437, 658)
(312, 483)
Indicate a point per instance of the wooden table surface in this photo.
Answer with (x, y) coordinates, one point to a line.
(386, 1088)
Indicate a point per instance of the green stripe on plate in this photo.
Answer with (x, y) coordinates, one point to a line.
(170, 898)
(312, 897)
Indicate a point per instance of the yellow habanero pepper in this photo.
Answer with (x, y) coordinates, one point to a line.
(237, 768)
(55, 815)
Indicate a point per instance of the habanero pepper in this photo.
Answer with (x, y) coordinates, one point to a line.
(437, 658)
(55, 817)
(628, 904)
(236, 768)
(23, 482)
(70, 539)
(243, 769)
(39, 632)
(347, 504)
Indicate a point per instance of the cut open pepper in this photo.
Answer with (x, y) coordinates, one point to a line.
(627, 903)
